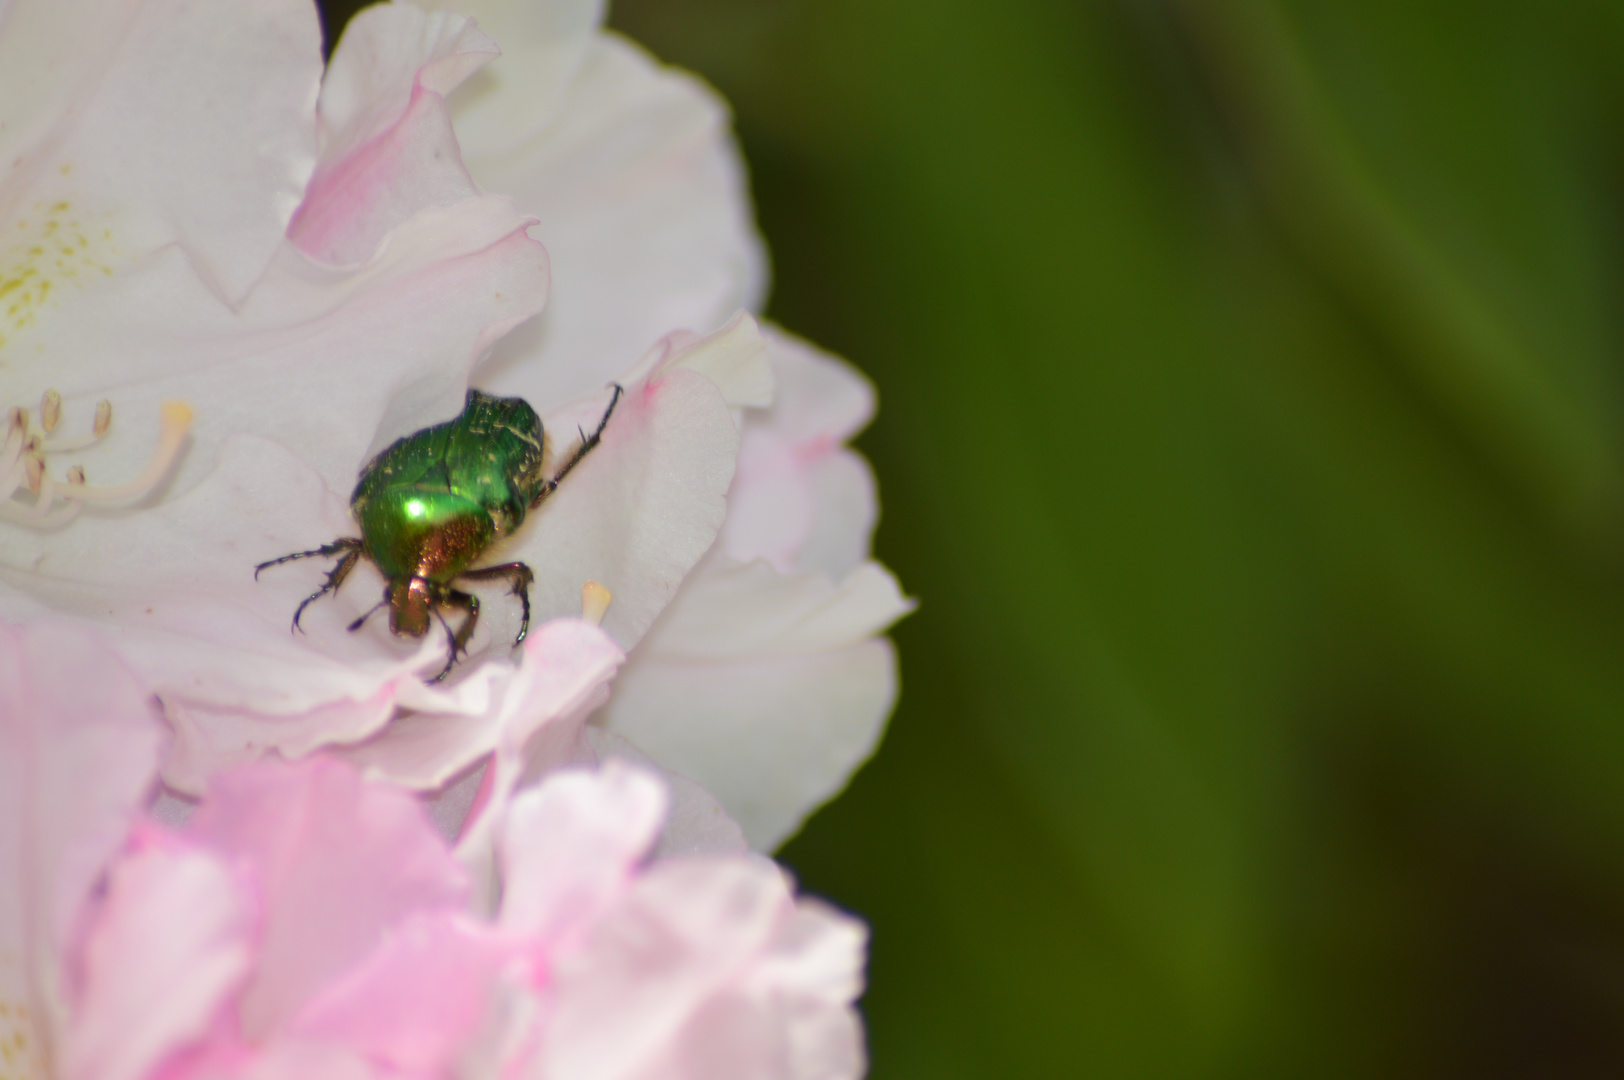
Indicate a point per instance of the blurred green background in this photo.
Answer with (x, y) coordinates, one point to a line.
(1250, 430)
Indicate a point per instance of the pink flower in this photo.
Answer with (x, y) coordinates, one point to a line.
(309, 923)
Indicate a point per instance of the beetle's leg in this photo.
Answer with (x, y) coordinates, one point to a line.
(325, 551)
(335, 578)
(459, 641)
(520, 577)
(586, 445)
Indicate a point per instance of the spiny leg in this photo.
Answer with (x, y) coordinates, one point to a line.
(586, 445)
(346, 543)
(520, 577)
(335, 578)
(459, 640)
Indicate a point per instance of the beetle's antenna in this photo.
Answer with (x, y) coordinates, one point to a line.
(356, 625)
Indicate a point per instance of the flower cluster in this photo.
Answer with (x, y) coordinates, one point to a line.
(230, 277)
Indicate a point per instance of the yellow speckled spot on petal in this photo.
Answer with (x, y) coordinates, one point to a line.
(48, 248)
(20, 1048)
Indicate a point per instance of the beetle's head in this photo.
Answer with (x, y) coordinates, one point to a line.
(410, 601)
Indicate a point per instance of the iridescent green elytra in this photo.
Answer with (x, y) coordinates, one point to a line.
(431, 503)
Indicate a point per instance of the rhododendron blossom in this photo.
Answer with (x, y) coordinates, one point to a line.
(234, 277)
(306, 922)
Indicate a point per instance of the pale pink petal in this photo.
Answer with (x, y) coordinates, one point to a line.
(137, 124)
(285, 1059)
(415, 1001)
(387, 146)
(385, 53)
(696, 823)
(79, 745)
(682, 936)
(790, 1016)
(569, 846)
(338, 861)
(174, 934)
(644, 210)
(563, 678)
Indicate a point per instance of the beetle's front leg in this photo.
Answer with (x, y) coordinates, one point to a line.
(459, 641)
(345, 543)
(351, 549)
(520, 577)
(335, 578)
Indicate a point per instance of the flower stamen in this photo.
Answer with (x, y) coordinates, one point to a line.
(23, 461)
(103, 421)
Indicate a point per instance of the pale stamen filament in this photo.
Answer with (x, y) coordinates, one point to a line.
(47, 492)
(23, 461)
(12, 478)
(174, 418)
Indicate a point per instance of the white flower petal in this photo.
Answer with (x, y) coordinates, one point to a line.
(845, 509)
(773, 739)
(134, 125)
(643, 208)
(735, 611)
(821, 400)
(543, 45)
(734, 358)
(761, 684)
(800, 500)
(640, 510)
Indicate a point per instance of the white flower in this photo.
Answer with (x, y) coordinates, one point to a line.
(399, 277)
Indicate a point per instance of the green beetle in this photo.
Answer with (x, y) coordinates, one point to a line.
(431, 503)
